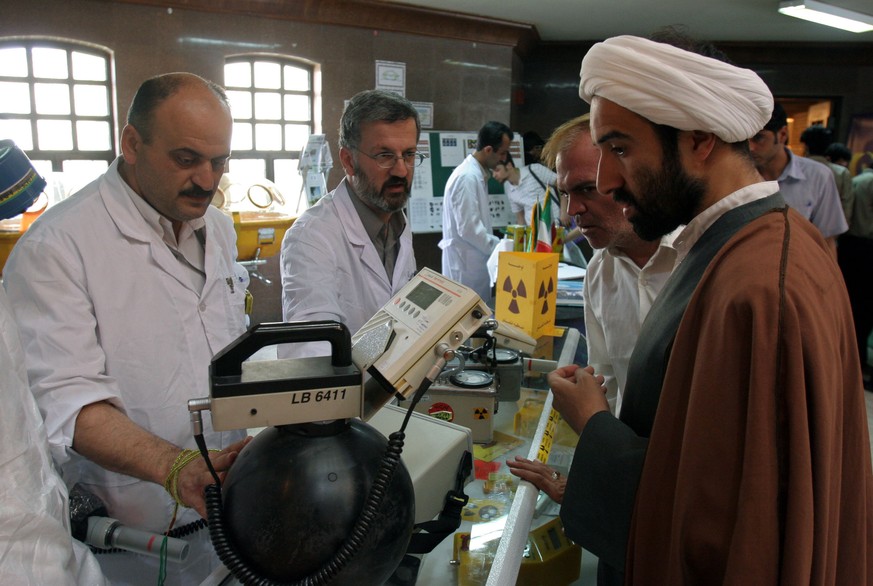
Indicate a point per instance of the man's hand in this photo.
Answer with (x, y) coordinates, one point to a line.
(195, 477)
(578, 394)
(546, 479)
(107, 437)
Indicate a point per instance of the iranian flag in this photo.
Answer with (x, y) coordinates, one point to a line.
(544, 236)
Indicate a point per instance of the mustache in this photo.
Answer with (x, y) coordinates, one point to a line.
(397, 181)
(623, 196)
(197, 191)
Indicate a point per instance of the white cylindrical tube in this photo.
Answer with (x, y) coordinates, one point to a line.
(539, 365)
(106, 533)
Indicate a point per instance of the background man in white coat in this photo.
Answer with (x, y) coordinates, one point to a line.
(35, 542)
(346, 256)
(123, 293)
(468, 238)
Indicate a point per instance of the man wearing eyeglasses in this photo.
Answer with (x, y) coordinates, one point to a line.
(346, 256)
(468, 238)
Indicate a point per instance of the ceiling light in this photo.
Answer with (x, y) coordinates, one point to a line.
(828, 15)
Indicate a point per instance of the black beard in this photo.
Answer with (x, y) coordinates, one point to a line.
(672, 198)
(365, 190)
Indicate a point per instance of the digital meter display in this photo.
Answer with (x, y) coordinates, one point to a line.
(423, 295)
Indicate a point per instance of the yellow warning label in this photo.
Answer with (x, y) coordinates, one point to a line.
(545, 446)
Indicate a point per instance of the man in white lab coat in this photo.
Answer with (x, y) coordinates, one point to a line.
(123, 293)
(346, 256)
(468, 237)
(35, 542)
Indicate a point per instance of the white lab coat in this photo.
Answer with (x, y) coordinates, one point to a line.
(106, 312)
(35, 542)
(332, 271)
(468, 238)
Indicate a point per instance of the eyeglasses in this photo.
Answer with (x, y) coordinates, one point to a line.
(388, 160)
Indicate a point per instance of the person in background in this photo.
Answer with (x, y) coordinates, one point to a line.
(741, 453)
(468, 238)
(123, 293)
(817, 139)
(35, 542)
(623, 278)
(533, 147)
(838, 154)
(346, 256)
(807, 186)
(855, 255)
(526, 187)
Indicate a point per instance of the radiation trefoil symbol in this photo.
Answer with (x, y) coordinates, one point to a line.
(520, 291)
(544, 293)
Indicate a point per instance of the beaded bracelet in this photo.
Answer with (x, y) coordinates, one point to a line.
(171, 485)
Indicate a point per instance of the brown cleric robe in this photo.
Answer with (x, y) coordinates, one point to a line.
(741, 455)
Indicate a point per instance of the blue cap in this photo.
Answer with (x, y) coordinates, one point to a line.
(20, 184)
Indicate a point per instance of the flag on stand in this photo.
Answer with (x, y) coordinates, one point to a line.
(531, 239)
(544, 237)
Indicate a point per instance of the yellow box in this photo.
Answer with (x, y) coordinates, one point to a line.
(516, 232)
(527, 284)
(549, 557)
(545, 347)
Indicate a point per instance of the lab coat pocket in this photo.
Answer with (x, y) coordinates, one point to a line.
(241, 279)
(237, 286)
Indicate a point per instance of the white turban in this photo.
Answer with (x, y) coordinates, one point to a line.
(677, 88)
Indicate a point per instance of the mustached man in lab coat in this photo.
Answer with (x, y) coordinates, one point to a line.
(35, 542)
(123, 293)
(346, 256)
(468, 238)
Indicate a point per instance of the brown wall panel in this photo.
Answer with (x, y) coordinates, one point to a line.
(843, 73)
(468, 82)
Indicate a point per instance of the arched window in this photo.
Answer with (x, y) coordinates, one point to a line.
(274, 109)
(58, 107)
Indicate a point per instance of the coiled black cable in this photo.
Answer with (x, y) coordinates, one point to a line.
(188, 529)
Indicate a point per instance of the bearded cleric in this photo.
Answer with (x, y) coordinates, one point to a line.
(741, 454)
